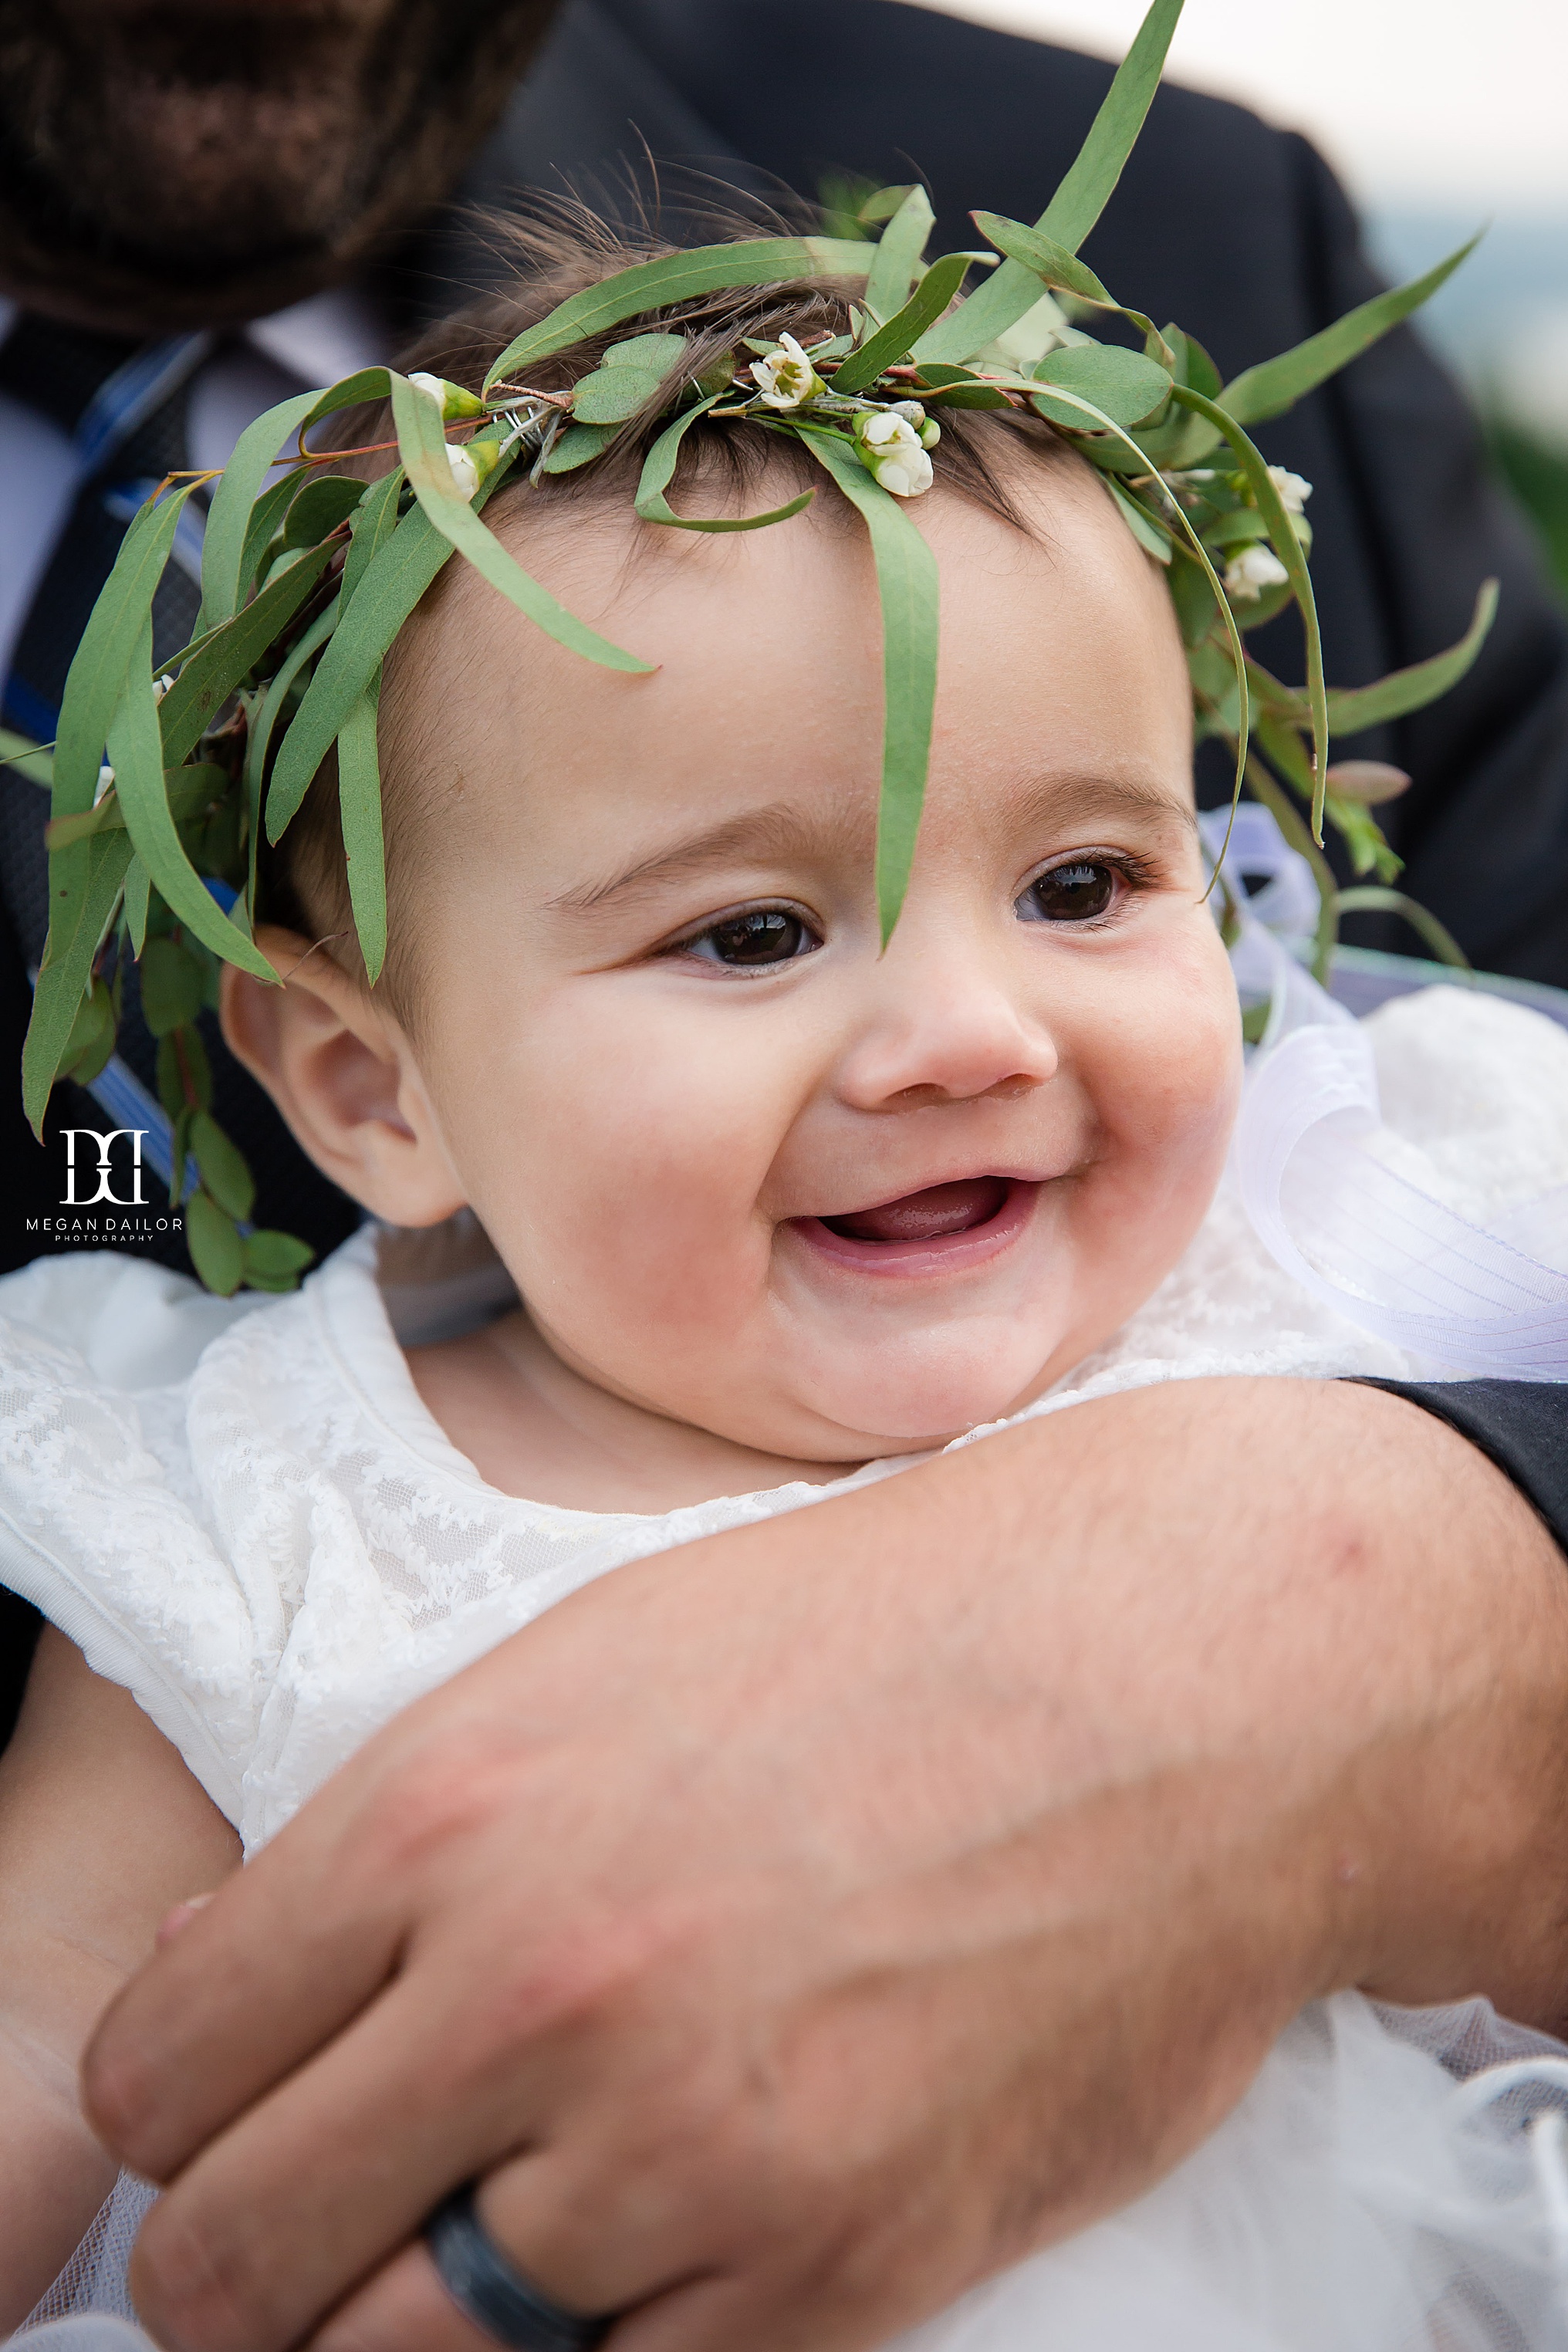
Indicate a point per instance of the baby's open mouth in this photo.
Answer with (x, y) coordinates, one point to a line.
(941, 1228)
(929, 1215)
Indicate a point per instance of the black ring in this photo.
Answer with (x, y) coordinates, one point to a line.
(494, 2293)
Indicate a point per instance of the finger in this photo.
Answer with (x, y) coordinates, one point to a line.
(316, 2185)
(404, 2308)
(244, 1989)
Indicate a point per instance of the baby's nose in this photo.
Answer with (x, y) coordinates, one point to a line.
(946, 1036)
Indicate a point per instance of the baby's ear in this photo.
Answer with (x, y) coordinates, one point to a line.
(341, 1071)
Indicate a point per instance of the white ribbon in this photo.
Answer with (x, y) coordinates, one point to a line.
(1365, 1241)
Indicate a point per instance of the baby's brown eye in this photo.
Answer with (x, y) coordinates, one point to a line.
(1073, 893)
(762, 935)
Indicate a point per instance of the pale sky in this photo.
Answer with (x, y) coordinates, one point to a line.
(1437, 103)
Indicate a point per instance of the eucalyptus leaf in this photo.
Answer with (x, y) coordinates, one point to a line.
(1077, 204)
(611, 395)
(1276, 385)
(660, 466)
(212, 1240)
(1403, 690)
(261, 532)
(652, 354)
(374, 521)
(1150, 536)
(26, 758)
(136, 752)
(894, 341)
(680, 278)
(908, 588)
(92, 689)
(275, 1257)
(577, 445)
(359, 810)
(92, 1040)
(64, 981)
(173, 984)
(206, 683)
(349, 392)
(397, 576)
(423, 448)
(1125, 385)
(324, 502)
(185, 1074)
(1371, 900)
(222, 1166)
(230, 518)
(1287, 548)
(896, 264)
(1050, 262)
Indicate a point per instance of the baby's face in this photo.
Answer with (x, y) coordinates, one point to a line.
(746, 1169)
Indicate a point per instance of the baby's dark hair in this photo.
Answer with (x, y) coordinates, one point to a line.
(547, 259)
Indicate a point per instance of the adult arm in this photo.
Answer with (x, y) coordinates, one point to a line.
(801, 1926)
(101, 1827)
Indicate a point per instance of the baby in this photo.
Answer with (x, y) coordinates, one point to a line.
(740, 1203)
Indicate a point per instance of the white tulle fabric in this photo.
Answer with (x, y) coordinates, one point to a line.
(245, 1516)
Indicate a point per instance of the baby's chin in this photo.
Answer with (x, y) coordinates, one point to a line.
(910, 1394)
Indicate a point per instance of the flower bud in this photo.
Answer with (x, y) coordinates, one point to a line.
(1294, 491)
(472, 464)
(450, 398)
(931, 433)
(1250, 572)
(889, 449)
(785, 378)
(1370, 782)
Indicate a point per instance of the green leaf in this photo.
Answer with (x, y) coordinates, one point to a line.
(274, 1258)
(374, 521)
(261, 532)
(576, 445)
(222, 1164)
(214, 1244)
(397, 576)
(63, 982)
(349, 392)
(659, 465)
(1403, 690)
(1275, 386)
(173, 986)
(611, 395)
(896, 264)
(138, 904)
(183, 1074)
(957, 387)
(28, 759)
(359, 809)
(1077, 204)
(92, 691)
(894, 341)
(908, 588)
(653, 354)
(422, 448)
(322, 504)
(1152, 537)
(224, 577)
(1194, 366)
(1050, 262)
(1125, 385)
(1371, 899)
(258, 733)
(1287, 548)
(680, 278)
(136, 751)
(92, 1040)
(207, 681)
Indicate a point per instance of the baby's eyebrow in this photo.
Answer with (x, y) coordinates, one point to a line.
(1070, 801)
(780, 830)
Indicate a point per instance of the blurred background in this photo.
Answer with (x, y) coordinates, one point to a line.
(1439, 116)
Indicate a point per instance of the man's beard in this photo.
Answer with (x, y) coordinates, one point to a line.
(187, 164)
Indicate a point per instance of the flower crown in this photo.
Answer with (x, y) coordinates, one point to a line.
(161, 788)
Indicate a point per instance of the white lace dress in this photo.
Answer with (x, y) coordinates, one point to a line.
(245, 1514)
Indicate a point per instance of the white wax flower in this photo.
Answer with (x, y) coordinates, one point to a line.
(785, 378)
(1256, 568)
(890, 449)
(105, 780)
(465, 473)
(161, 685)
(1293, 488)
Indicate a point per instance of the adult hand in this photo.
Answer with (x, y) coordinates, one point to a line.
(797, 1927)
